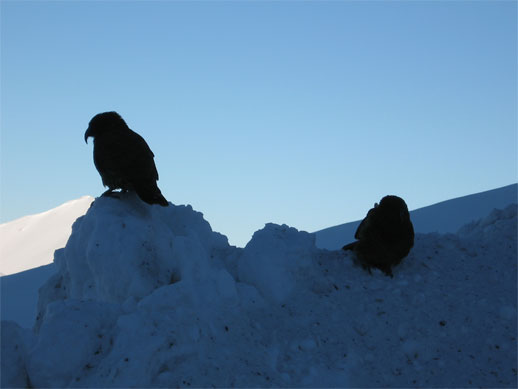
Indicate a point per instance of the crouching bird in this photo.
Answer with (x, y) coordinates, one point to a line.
(123, 158)
(385, 236)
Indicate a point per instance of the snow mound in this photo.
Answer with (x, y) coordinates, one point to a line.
(125, 248)
(147, 296)
(274, 258)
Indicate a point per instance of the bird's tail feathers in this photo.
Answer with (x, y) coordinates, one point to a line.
(160, 200)
(152, 196)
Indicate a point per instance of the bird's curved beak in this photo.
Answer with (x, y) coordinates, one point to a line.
(87, 135)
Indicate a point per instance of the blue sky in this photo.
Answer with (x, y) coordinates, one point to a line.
(304, 113)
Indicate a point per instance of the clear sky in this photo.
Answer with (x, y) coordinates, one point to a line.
(296, 112)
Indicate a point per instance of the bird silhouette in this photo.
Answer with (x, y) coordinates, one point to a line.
(123, 158)
(385, 236)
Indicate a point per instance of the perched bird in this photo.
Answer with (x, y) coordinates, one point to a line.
(123, 158)
(385, 236)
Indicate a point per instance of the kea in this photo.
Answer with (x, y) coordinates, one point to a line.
(385, 236)
(123, 158)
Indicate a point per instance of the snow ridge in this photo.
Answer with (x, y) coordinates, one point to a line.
(148, 296)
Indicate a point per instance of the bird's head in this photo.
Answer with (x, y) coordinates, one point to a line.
(104, 122)
(395, 207)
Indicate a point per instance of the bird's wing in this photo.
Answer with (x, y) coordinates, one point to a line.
(141, 158)
(124, 155)
(363, 228)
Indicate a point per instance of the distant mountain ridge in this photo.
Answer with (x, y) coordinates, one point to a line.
(443, 217)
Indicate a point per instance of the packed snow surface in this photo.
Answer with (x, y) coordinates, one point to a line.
(150, 296)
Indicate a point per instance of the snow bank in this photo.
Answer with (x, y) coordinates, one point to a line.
(151, 296)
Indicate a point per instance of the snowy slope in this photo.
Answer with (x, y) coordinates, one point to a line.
(19, 294)
(30, 241)
(443, 217)
(150, 296)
